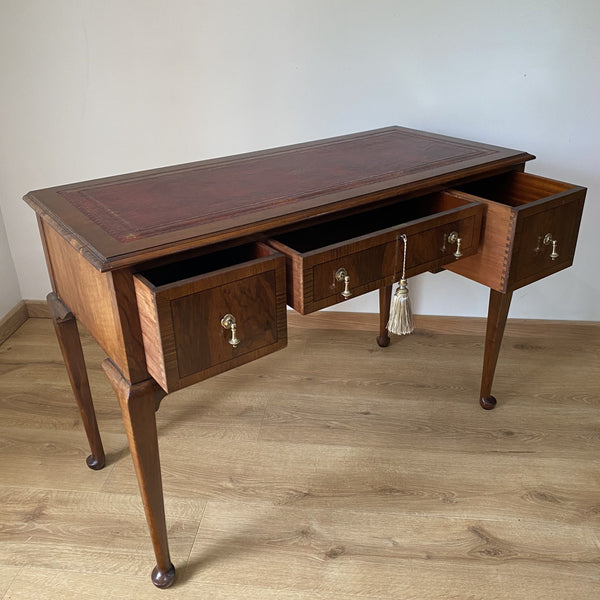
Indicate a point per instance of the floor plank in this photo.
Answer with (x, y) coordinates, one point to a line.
(361, 554)
(88, 532)
(8, 574)
(49, 584)
(46, 458)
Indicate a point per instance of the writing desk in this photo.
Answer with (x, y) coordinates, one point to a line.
(183, 272)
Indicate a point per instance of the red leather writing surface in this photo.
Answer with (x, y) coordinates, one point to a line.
(126, 219)
(207, 193)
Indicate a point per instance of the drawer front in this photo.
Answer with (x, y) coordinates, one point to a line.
(185, 336)
(545, 240)
(317, 278)
(381, 265)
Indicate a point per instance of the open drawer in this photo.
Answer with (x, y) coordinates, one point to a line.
(530, 229)
(367, 249)
(187, 310)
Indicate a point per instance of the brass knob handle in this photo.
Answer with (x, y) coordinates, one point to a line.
(454, 239)
(342, 275)
(228, 322)
(547, 241)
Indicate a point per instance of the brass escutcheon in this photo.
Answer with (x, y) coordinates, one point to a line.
(342, 275)
(228, 322)
(454, 239)
(547, 241)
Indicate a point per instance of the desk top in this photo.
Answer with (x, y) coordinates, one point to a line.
(123, 220)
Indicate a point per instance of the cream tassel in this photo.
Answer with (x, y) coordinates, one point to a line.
(400, 321)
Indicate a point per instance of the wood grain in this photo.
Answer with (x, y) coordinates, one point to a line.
(87, 293)
(560, 218)
(373, 555)
(8, 574)
(48, 584)
(331, 469)
(490, 266)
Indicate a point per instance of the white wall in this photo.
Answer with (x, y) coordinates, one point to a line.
(10, 294)
(93, 88)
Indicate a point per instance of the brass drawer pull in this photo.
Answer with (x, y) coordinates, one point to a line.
(547, 241)
(342, 275)
(454, 239)
(228, 322)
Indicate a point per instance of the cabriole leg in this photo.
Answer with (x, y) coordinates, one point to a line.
(69, 341)
(138, 404)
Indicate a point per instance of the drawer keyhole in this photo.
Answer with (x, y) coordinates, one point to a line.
(547, 241)
(228, 322)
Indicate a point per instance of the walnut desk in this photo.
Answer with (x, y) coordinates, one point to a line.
(183, 272)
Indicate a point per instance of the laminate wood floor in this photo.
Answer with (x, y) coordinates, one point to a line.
(333, 469)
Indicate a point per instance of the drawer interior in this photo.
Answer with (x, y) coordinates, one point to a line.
(201, 265)
(515, 188)
(346, 228)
